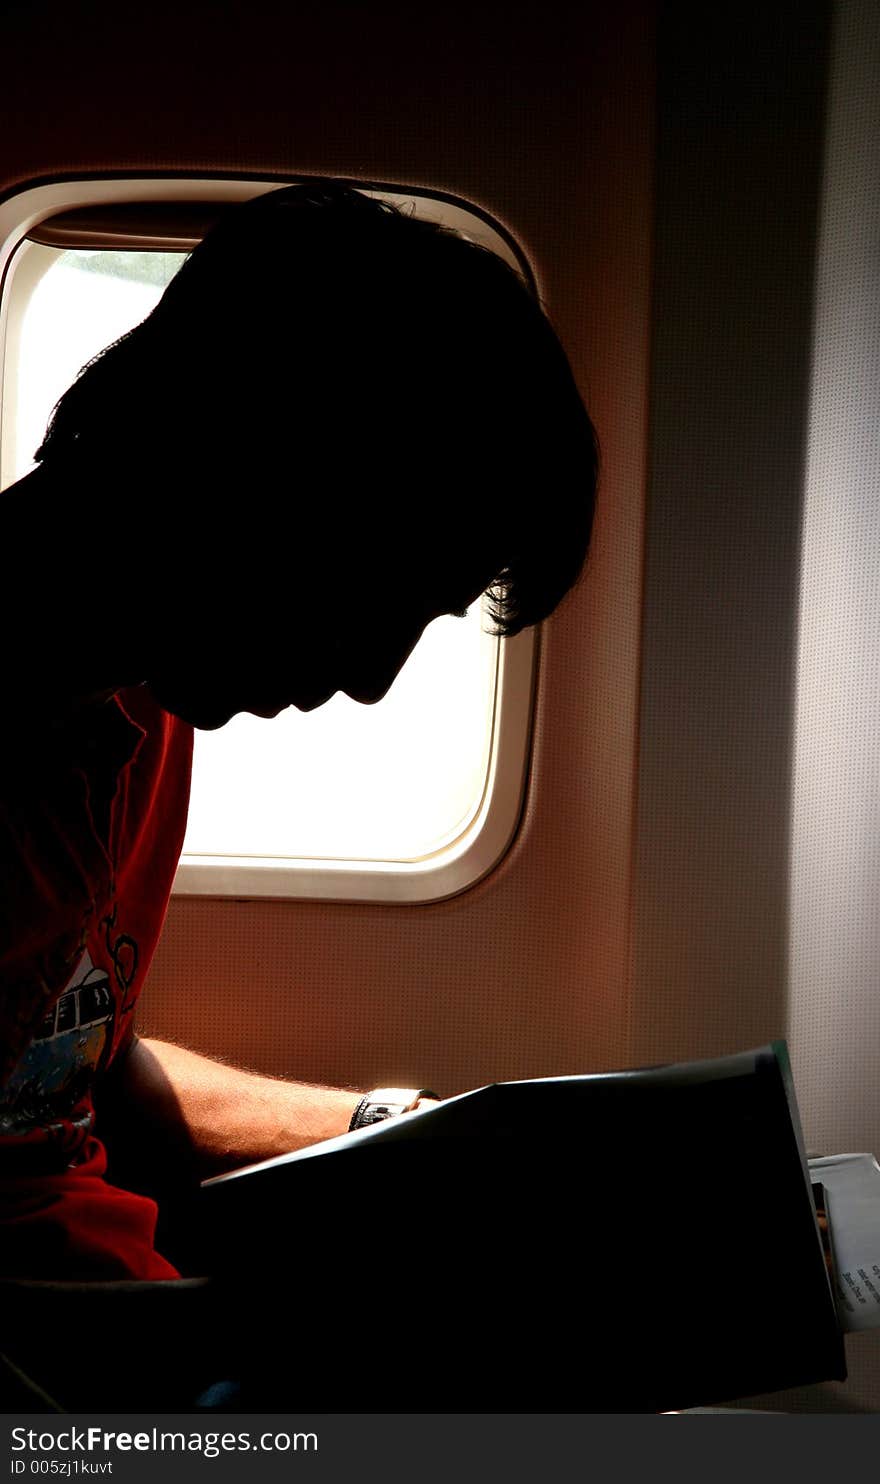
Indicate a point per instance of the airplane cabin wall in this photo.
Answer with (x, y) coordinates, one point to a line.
(756, 880)
(834, 1013)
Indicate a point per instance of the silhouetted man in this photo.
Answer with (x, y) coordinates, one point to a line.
(339, 423)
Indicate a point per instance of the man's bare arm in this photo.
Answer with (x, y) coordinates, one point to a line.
(211, 1117)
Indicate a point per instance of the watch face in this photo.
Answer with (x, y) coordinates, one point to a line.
(378, 1111)
(386, 1102)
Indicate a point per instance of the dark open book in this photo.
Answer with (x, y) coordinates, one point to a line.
(642, 1240)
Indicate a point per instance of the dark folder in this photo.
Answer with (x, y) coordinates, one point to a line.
(632, 1241)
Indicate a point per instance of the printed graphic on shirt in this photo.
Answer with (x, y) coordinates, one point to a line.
(57, 1070)
(123, 951)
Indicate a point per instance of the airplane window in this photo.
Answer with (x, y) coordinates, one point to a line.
(300, 801)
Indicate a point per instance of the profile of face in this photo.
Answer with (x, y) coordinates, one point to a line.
(301, 643)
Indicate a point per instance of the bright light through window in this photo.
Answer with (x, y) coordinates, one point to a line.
(393, 782)
(79, 302)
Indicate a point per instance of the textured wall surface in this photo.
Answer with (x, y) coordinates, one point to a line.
(757, 868)
(834, 1014)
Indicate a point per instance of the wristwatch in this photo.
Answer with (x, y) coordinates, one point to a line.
(386, 1102)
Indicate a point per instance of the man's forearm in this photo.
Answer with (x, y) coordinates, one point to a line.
(219, 1117)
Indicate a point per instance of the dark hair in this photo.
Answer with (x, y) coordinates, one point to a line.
(376, 335)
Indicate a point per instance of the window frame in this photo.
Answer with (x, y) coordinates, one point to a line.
(481, 844)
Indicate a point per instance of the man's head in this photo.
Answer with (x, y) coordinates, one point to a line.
(339, 422)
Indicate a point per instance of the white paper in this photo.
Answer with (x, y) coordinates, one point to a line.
(852, 1186)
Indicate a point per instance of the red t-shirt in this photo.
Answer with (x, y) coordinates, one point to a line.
(92, 820)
